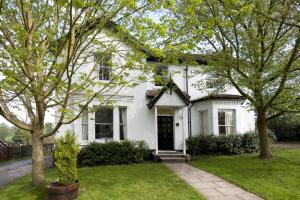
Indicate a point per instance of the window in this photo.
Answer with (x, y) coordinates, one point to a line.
(210, 84)
(123, 121)
(85, 125)
(226, 121)
(214, 83)
(161, 75)
(203, 122)
(104, 123)
(103, 66)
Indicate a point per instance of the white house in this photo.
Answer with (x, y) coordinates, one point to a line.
(164, 116)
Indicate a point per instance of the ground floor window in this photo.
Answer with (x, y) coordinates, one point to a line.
(123, 122)
(104, 123)
(203, 122)
(226, 121)
(85, 125)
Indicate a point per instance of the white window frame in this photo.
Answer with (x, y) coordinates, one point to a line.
(123, 124)
(232, 125)
(203, 129)
(103, 69)
(163, 73)
(85, 125)
(110, 124)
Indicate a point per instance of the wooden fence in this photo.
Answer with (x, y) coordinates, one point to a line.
(3, 150)
(12, 150)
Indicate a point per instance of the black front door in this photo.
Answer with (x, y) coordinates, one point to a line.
(165, 132)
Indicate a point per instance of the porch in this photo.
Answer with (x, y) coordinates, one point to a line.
(170, 108)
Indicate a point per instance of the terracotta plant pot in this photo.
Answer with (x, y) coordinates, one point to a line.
(56, 191)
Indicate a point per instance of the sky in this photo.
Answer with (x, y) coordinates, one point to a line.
(49, 118)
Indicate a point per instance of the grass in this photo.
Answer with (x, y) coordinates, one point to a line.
(274, 179)
(150, 181)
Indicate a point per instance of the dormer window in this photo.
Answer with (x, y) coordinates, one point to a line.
(161, 75)
(103, 62)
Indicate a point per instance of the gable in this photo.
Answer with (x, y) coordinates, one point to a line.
(171, 99)
(170, 95)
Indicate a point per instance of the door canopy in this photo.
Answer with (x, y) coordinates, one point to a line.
(170, 95)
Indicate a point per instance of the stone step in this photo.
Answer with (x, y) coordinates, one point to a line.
(172, 155)
(169, 152)
(173, 159)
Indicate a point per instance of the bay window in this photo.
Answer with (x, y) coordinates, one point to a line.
(226, 121)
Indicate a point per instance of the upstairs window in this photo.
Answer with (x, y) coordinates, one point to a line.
(161, 75)
(103, 62)
(226, 121)
(104, 123)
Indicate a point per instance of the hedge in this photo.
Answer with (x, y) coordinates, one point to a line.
(229, 144)
(112, 153)
(286, 128)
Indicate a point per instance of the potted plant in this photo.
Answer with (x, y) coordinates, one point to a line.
(65, 158)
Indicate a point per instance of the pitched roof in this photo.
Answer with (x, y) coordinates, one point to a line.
(219, 97)
(153, 93)
(156, 94)
(132, 41)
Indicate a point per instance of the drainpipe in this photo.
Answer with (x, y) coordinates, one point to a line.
(190, 106)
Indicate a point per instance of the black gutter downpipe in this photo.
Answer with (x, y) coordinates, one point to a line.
(190, 106)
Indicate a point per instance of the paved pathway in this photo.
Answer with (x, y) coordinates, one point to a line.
(209, 185)
(12, 171)
(287, 145)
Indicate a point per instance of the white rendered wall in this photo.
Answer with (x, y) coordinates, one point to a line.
(245, 120)
(141, 120)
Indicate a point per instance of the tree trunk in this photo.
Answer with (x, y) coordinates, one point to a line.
(38, 177)
(265, 152)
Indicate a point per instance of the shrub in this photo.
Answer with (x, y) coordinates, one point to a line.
(65, 158)
(272, 137)
(112, 153)
(199, 145)
(250, 143)
(286, 127)
(230, 144)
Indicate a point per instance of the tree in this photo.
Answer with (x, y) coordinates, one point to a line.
(43, 46)
(5, 130)
(252, 45)
(21, 136)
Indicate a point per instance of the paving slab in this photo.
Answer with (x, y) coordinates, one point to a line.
(209, 185)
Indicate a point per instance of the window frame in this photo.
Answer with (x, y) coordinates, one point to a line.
(203, 129)
(122, 124)
(103, 68)
(104, 124)
(163, 72)
(85, 125)
(232, 125)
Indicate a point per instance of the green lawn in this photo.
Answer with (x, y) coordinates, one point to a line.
(278, 178)
(134, 182)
